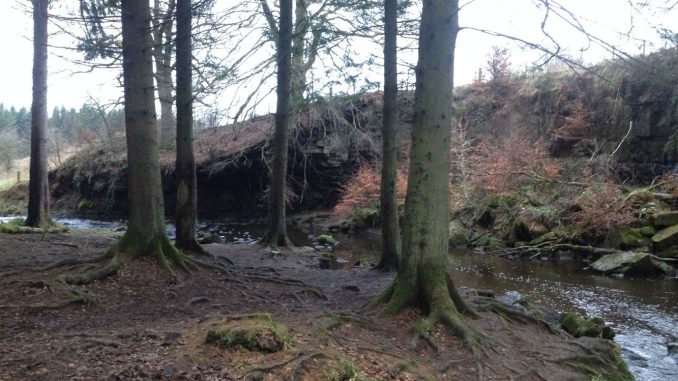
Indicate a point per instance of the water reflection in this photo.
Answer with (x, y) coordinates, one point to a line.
(643, 312)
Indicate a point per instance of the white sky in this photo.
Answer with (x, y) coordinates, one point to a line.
(603, 18)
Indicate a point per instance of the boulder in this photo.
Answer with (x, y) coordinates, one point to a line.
(630, 238)
(459, 235)
(665, 238)
(623, 262)
(546, 237)
(326, 239)
(664, 219)
(647, 231)
(673, 349)
(578, 326)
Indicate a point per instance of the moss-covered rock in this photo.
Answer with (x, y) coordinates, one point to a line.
(664, 219)
(362, 218)
(629, 239)
(326, 239)
(665, 238)
(578, 326)
(647, 231)
(551, 236)
(458, 234)
(495, 244)
(257, 332)
(482, 240)
(635, 262)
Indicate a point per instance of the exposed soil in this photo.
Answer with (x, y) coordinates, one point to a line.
(143, 325)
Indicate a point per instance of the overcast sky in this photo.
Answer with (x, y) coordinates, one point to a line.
(608, 19)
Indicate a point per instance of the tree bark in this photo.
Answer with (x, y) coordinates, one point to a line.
(298, 81)
(162, 54)
(146, 234)
(422, 278)
(277, 231)
(38, 194)
(390, 229)
(185, 218)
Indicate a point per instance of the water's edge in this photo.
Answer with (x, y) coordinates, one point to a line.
(643, 312)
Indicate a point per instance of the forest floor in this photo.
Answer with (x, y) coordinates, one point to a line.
(143, 325)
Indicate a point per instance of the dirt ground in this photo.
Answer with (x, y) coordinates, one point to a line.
(143, 325)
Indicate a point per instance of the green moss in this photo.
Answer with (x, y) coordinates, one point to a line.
(326, 239)
(496, 244)
(16, 226)
(458, 234)
(647, 231)
(258, 332)
(578, 326)
(362, 218)
(629, 239)
(399, 294)
(481, 241)
(604, 364)
(544, 214)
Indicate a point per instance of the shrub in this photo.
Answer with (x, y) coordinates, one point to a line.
(362, 191)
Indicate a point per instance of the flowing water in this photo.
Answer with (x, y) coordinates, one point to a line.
(643, 312)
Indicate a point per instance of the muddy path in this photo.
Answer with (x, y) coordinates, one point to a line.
(143, 325)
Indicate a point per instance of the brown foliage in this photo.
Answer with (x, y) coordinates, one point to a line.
(362, 191)
(600, 210)
(500, 166)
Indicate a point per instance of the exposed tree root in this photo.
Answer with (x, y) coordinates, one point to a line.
(126, 250)
(192, 247)
(490, 305)
(302, 364)
(271, 368)
(87, 277)
(445, 306)
(458, 300)
(275, 240)
(74, 262)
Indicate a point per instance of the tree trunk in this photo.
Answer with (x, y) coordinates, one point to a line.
(422, 278)
(38, 196)
(185, 218)
(162, 54)
(390, 229)
(146, 234)
(298, 81)
(277, 231)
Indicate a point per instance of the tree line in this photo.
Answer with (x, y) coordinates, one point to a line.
(90, 123)
(422, 280)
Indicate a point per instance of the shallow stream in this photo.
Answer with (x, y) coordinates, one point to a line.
(643, 312)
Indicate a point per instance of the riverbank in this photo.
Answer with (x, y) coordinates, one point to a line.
(141, 325)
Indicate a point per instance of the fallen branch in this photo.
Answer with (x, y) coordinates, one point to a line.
(549, 247)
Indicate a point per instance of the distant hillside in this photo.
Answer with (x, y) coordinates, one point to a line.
(615, 121)
(588, 114)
